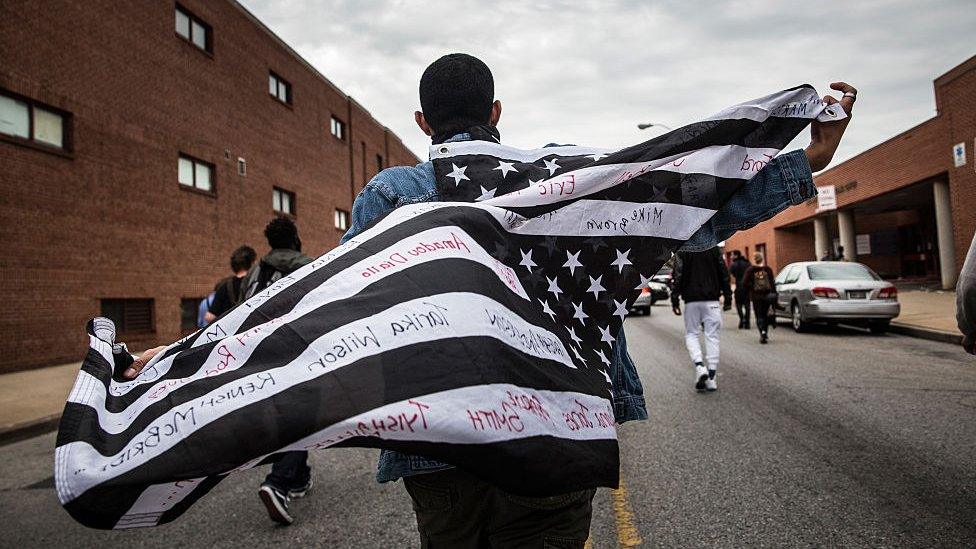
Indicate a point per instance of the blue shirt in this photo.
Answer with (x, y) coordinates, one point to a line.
(786, 180)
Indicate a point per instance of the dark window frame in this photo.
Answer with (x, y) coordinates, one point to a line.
(344, 214)
(185, 329)
(279, 82)
(67, 133)
(291, 195)
(124, 329)
(213, 176)
(337, 122)
(208, 30)
(380, 166)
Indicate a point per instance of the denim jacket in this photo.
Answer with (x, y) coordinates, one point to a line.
(786, 180)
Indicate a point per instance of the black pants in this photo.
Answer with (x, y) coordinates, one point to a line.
(454, 509)
(742, 306)
(290, 472)
(762, 314)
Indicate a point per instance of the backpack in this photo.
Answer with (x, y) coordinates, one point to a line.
(260, 277)
(761, 283)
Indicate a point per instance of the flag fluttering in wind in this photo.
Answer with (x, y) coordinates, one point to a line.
(477, 330)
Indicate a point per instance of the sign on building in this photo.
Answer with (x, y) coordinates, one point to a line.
(959, 154)
(863, 244)
(826, 198)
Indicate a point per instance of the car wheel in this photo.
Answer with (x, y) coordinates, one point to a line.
(879, 327)
(653, 301)
(796, 318)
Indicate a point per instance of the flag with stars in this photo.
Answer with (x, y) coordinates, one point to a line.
(477, 330)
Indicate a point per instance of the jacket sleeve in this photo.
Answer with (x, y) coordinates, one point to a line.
(966, 299)
(723, 276)
(747, 280)
(371, 203)
(676, 280)
(785, 181)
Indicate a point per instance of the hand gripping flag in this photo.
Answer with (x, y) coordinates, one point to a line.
(478, 331)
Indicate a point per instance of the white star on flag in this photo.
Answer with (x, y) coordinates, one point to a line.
(505, 167)
(579, 356)
(547, 310)
(551, 166)
(578, 313)
(458, 174)
(527, 260)
(603, 357)
(621, 309)
(643, 282)
(572, 261)
(606, 376)
(572, 335)
(596, 287)
(553, 287)
(486, 194)
(596, 157)
(605, 335)
(622, 259)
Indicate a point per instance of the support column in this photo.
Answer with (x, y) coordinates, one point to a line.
(943, 231)
(845, 225)
(821, 238)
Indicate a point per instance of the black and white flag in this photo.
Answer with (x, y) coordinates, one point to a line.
(477, 331)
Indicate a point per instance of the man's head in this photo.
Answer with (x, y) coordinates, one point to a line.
(242, 259)
(281, 232)
(456, 92)
(736, 254)
(758, 258)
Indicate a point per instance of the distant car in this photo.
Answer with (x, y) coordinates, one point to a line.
(654, 292)
(835, 291)
(663, 276)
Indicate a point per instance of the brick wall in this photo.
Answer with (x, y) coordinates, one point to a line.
(110, 220)
(920, 154)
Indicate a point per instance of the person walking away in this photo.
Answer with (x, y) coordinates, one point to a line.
(290, 476)
(966, 300)
(758, 283)
(227, 292)
(699, 279)
(738, 268)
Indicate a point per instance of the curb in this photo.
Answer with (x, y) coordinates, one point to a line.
(925, 333)
(29, 429)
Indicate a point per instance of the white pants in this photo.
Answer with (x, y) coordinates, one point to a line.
(697, 314)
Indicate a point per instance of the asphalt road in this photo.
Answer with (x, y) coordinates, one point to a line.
(833, 438)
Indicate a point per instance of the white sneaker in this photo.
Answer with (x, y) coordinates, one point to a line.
(701, 376)
(710, 385)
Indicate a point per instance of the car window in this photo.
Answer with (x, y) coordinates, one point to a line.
(793, 275)
(782, 274)
(841, 271)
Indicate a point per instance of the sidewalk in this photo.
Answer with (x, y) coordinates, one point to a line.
(930, 314)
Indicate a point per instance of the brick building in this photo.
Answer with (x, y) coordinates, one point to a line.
(906, 207)
(141, 143)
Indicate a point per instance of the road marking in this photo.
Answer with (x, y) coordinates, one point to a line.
(627, 534)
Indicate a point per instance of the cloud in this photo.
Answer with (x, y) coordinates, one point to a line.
(589, 72)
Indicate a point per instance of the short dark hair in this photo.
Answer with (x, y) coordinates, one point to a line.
(281, 232)
(242, 259)
(736, 253)
(456, 92)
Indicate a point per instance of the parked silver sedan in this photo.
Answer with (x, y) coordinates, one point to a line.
(835, 291)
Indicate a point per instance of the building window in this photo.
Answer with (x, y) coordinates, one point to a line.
(189, 310)
(131, 316)
(338, 128)
(241, 167)
(193, 29)
(195, 174)
(379, 163)
(341, 219)
(279, 88)
(30, 121)
(283, 201)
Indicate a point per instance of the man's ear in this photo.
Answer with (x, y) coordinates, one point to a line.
(496, 112)
(424, 126)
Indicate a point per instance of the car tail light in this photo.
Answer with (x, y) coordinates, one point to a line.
(645, 290)
(821, 291)
(888, 293)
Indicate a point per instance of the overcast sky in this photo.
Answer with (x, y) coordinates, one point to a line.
(581, 72)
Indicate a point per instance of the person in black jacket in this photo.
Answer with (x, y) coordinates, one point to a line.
(738, 268)
(699, 279)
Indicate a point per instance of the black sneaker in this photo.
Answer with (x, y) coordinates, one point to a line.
(763, 338)
(298, 493)
(276, 503)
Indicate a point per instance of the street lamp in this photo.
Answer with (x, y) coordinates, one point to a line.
(646, 125)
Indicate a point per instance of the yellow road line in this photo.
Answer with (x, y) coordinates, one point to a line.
(627, 535)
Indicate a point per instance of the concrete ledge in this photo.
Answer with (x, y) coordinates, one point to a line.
(926, 333)
(29, 429)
